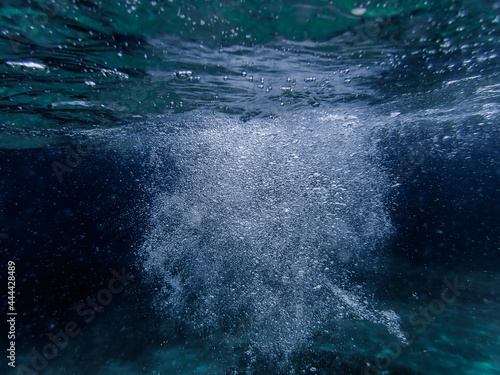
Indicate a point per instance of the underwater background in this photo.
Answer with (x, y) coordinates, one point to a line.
(250, 187)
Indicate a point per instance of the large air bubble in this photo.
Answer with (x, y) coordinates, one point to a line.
(253, 222)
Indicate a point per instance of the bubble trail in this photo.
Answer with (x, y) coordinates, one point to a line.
(253, 222)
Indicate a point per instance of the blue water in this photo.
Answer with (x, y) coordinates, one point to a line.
(252, 188)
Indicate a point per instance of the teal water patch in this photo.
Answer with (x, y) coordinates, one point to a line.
(90, 65)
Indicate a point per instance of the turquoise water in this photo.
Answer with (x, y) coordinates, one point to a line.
(299, 187)
(89, 65)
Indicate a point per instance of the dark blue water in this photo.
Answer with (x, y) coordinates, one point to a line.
(220, 188)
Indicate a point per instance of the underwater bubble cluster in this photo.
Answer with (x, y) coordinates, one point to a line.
(259, 221)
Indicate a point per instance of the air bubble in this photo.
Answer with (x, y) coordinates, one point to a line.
(358, 11)
(183, 73)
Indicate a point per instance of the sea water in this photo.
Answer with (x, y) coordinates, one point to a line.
(251, 188)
